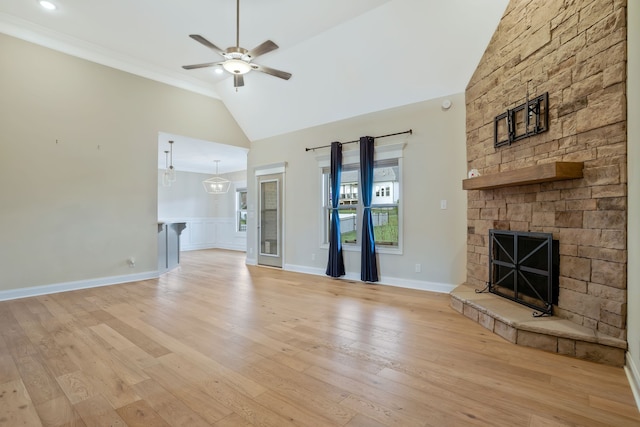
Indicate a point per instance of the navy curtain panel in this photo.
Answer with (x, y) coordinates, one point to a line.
(335, 265)
(369, 265)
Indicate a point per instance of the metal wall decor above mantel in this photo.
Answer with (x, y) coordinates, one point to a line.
(523, 121)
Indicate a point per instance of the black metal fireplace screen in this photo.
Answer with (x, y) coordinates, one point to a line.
(523, 267)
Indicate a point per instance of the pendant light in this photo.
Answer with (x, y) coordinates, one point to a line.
(165, 175)
(216, 184)
(171, 171)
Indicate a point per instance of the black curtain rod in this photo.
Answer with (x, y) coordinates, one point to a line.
(410, 132)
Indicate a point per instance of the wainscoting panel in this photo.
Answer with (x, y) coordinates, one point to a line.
(211, 233)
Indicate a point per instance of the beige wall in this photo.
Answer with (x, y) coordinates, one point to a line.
(633, 143)
(433, 168)
(78, 164)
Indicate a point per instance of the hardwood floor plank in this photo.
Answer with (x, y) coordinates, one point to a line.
(218, 343)
(540, 421)
(140, 414)
(18, 343)
(40, 384)
(113, 338)
(77, 387)
(233, 420)
(141, 340)
(364, 421)
(171, 409)
(612, 406)
(190, 394)
(78, 344)
(293, 411)
(58, 412)
(426, 404)
(195, 353)
(529, 400)
(16, 407)
(97, 412)
(56, 310)
(324, 404)
(8, 370)
(383, 414)
(249, 409)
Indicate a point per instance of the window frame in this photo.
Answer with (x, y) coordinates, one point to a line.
(351, 158)
(240, 211)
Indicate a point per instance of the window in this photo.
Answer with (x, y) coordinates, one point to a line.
(241, 210)
(384, 204)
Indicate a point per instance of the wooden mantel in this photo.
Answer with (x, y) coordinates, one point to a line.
(543, 172)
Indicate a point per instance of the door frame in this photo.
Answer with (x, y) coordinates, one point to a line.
(270, 169)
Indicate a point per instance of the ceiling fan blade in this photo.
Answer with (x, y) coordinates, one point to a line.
(281, 74)
(238, 80)
(207, 43)
(194, 66)
(265, 47)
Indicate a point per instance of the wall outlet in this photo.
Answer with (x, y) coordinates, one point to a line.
(443, 204)
(418, 268)
(132, 262)
(313, 257)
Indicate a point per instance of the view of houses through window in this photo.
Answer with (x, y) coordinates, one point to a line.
(384, 203)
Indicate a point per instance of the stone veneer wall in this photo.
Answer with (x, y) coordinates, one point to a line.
(576, 51)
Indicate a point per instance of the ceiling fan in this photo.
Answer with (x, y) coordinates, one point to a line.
(238, 59)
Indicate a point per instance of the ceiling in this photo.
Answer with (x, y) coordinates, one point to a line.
(196, 155)
(347, 58)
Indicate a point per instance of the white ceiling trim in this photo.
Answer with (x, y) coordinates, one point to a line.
(64, 43)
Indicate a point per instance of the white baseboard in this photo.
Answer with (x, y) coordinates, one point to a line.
(384, 280)
(251, 261)
(633, 375)
(72, 286)
(227, 246)
(232, 247)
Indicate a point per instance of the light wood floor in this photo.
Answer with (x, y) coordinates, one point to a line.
(218, 343)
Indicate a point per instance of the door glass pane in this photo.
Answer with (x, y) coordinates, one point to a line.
(269, 218)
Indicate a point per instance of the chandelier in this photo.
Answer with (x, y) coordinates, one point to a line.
(216, 184)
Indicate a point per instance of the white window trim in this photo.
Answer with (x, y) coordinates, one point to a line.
(238, 210)
(381, 152)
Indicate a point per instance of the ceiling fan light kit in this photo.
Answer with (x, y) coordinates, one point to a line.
(237, 60)
(236, 66)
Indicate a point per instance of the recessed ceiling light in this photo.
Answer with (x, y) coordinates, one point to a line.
(47, 5)
(218, 70)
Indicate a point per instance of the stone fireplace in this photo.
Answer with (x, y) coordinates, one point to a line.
(575, 51)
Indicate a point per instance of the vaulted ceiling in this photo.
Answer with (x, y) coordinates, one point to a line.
(347, 58)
